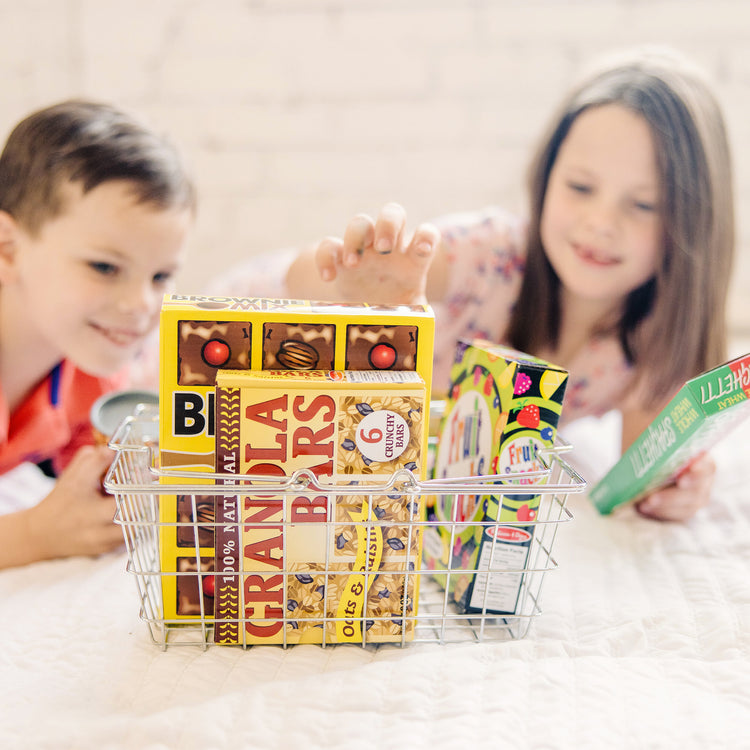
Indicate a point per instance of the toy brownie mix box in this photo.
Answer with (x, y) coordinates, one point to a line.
(285, 562)
(503, 407)
(201, 335)
(702, 412)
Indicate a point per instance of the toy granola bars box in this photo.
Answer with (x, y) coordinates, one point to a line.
(286, 562)
(503, 407)
(702, 412)
(201, 335)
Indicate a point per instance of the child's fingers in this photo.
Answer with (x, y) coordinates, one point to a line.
(103, 512)
(358, 237)
(328, 257)
(699, 474)
(103, 458)
(425, 241)
(668, 505)
(676, 503)
(389, 229)
(110, 539)
(103, 535)
(690, 493)
(87, 468)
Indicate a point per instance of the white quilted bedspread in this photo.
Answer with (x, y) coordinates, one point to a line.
(644, 642)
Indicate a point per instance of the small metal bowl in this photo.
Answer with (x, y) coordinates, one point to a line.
(109, 410)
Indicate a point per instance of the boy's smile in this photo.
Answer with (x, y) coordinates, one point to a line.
(88, 286)
(125, 338)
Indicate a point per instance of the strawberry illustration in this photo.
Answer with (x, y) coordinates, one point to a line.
(523, 383)
(524, 513)
(529, 416)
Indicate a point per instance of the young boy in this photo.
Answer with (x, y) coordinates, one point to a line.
(94, 214)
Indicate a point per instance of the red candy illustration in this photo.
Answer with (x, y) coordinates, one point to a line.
(382, 356)
(209, 585)
(215, 352)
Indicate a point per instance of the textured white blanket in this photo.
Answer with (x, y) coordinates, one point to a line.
(644, 642)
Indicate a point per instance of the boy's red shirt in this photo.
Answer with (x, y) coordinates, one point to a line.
(53, 422)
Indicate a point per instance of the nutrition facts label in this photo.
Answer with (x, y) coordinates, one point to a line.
(382, 376)
(500, 592)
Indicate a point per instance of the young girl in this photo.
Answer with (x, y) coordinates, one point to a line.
(620, 273)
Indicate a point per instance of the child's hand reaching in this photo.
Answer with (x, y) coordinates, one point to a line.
(686, 497)
(377, 262)
(76, 517)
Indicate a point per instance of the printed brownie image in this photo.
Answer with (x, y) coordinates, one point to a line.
(381, 347)
(188, 602)
(205, 513)
(203, 347)
(298, 346)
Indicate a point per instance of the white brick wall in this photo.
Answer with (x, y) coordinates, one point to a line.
(297, 113)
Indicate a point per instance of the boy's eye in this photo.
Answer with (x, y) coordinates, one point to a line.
(103, 268)
(162, 278)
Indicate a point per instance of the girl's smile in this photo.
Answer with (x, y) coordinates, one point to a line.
(600, 225)
(594, 256)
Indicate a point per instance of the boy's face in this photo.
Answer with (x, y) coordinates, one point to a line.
(92, 279)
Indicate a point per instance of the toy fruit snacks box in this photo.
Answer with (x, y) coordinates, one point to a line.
(700, 414)
(200, 335)
(284, 561)
(503, 407)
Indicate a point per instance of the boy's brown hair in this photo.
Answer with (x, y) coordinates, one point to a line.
(87, 143)
(674, 326)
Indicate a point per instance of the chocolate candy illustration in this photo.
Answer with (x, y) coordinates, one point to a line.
(297, 355)
(298, 346)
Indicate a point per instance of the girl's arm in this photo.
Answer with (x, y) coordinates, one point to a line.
(692, 490)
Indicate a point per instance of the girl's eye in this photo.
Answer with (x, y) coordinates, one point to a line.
(645, 206)
(103, 268)
(579, 187)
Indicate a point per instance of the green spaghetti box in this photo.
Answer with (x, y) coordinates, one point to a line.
(502, 409)
(701, 413)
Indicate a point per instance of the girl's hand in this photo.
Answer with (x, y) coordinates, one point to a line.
(376, 262)
(76, 517)
(681, 501)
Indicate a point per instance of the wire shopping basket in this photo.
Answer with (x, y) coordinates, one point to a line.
(415, 567)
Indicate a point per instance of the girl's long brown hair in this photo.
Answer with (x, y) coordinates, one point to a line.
(674, 326)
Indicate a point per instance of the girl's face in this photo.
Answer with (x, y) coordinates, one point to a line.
(93, 279)
(601, 222)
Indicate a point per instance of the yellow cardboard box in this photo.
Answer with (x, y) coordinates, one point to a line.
(284, 562)
(201, 335)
